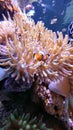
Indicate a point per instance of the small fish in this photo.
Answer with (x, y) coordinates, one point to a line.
(53, 21)
(31, 13)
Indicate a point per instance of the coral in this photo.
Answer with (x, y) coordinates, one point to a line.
(53, 103)
(24, 122)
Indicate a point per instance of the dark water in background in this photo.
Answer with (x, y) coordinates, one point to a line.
(56, 14)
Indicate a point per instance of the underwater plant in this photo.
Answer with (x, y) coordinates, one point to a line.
(24, 122)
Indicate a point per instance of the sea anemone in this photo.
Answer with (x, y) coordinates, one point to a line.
(7, 6)
(32, 55)
(31, 50)
(24, 122)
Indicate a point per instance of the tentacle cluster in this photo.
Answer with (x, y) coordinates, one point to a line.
(29, 50)
(23, 122)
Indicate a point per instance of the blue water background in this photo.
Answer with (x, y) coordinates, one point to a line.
(61, 10)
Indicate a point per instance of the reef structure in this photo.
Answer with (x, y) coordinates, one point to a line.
(32, 55)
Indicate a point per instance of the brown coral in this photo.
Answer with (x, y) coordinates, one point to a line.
(53, 103)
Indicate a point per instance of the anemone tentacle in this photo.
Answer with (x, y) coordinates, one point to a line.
(31, 49)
